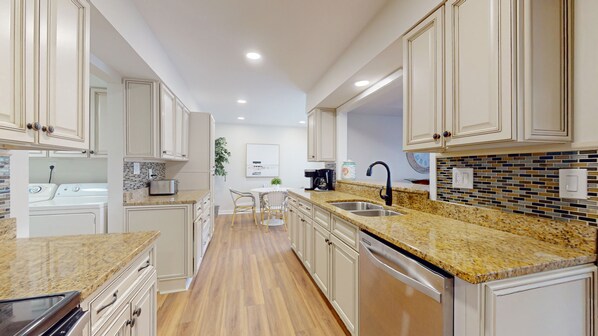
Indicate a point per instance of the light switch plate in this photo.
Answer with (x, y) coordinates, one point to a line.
(463, 178)
(573, 183)
(136, 168)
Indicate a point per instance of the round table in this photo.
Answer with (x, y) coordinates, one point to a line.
(261, 192)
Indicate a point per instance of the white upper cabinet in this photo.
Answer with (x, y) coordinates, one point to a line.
(44, 74)
(142, 121)
(423, 90)
(156, 122)
(506, 78)
(168, 104)
(98, 126)
(480, 65)
(321, 135)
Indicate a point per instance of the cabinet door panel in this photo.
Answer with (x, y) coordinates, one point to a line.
(300, 237)
(326, 136)
(167, 122)
(423, 83)
(178, 129)
(175, 244)
(144, 310)
(343, 282)
(141, 119)
(321, 263)
(120, 324)
(64, 72)
(311, 136)
(480, 69)
(185, 135)
(99, 126)
(308, 253)
(14, 114)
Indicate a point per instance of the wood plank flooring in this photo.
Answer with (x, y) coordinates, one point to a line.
(250, 283)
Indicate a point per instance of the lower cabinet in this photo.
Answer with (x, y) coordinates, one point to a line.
(332, 263)
(343, 282)
(175, 223)
(126, 305)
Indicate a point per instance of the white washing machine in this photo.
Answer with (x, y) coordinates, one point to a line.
(75, 209)
(39, 192)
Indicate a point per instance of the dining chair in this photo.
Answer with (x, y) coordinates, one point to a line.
(275, 203)
(244, 202)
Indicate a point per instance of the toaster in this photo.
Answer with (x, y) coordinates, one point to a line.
(163, 187)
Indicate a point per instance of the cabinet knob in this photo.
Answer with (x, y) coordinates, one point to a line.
(29, 126)
(137, 312)
(446, 134)
(36, 126)
(92, 152)
(436, 136)
(327, 240)
(83, 151)
(48, 129)
(163, 152)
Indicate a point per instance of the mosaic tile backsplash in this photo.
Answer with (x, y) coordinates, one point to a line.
(4, 187)
(141, 180)
(523, 184)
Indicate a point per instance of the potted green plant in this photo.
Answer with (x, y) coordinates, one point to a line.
(221, 155)
(276, 182)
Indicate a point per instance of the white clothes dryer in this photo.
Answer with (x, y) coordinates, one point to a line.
(76, 209)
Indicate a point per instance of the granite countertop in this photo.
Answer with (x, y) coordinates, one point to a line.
(182, 197)
(39, 266)
(471, 252)
(396, 185)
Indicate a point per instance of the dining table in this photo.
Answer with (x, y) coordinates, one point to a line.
(261, 192)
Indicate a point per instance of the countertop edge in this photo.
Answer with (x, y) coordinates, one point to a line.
(471, 278)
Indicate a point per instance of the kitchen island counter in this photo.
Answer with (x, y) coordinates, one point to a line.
(48, 265)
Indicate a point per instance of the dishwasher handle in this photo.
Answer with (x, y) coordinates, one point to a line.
(427, 290)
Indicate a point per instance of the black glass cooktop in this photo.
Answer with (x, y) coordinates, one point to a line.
(34, 315)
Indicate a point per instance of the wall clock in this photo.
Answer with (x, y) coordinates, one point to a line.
(420, 162)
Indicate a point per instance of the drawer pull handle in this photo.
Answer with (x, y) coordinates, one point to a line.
(114, 298)
(147, 264)
(137, 312)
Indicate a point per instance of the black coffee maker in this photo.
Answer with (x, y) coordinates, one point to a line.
(320, 179)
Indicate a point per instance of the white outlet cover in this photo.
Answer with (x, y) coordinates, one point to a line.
(463, 178)
(136, 168)
(573, 183)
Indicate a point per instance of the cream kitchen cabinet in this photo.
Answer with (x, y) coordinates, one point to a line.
(44, 74)
(321, 135)
(142, 119)
(156, 122)
(175, 223)
(560, 302)
(327, 247)
(98, 128)
(507, 75)
(126, 304)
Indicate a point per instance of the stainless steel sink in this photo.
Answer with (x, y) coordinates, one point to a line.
(376, 213)
(354, 206)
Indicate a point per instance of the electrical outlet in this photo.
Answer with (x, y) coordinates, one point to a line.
(136, 168)
(150, 173)
(463, 178)
(573, 183)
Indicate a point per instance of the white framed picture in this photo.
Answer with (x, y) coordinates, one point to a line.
(262, 160)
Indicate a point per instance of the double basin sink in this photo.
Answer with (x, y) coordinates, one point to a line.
(365, 209)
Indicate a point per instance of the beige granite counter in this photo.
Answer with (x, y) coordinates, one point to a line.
(8, 228)
(38, 266)
(471, 252)
(182, 197)
(398, 186)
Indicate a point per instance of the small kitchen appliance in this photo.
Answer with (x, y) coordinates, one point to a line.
(321, 179)
(164, 187)
(311, 175)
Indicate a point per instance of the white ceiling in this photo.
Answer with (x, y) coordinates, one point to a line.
(299, 41)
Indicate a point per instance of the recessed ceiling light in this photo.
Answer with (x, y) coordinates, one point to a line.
(253, 56)
(242, 101)
(362, 83)
(302, 122)
(241, 118)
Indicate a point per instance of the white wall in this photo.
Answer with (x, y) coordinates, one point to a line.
(378, 137)
(293, 158)
(68, 170)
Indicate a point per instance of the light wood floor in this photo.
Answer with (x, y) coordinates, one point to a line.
(250, 283)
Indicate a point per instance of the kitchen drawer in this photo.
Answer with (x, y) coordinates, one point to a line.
(346, 232)
(102, 306)
(206, 203)
(197, 211)
(322, 217)
(293, 201)
(205, 236)
(306, 208)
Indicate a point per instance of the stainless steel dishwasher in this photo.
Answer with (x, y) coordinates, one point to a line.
(399, 295)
